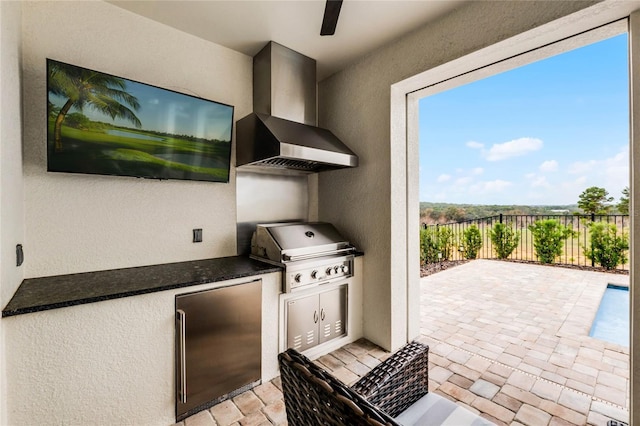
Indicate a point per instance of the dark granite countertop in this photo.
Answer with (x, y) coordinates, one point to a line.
(40, 294)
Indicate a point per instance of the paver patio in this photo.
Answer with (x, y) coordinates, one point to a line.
(512, 341)
(509, 341)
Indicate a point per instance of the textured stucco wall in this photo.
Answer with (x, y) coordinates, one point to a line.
(109, 363)
(77, 223)
(367, 203)
(11, 183)
(11, 188)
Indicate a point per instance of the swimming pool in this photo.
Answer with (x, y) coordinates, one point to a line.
(612, 319)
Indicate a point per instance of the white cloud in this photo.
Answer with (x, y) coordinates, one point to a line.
(477, 171)
(475, 145)
(610, 173)
(497, 185)
(582, 167)
(443, 178)
(617, 167)
(464, 181)
(540, 182)
(549, 166)
(571, 189)
(514, 148)
(537, 180)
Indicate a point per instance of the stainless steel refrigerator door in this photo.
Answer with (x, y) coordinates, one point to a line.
(218, 343)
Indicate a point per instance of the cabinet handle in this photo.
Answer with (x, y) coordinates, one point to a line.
(182, 349)
(315, 316)
(322, 314)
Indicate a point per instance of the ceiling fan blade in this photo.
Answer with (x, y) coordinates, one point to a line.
(330, 20)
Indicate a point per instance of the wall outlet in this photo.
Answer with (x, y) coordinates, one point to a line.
(197, 235)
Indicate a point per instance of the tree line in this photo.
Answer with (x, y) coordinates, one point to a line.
(593, 200)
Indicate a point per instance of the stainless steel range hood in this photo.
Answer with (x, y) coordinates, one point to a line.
(281, 134)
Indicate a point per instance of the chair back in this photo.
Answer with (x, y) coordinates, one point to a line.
(312, 396)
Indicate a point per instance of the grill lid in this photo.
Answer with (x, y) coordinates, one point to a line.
(284, 242)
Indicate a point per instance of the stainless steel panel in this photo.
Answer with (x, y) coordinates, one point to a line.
(264, 198)
(305, 138)
(294, 236)
(302, 319)
(268, 141)
(222, 337)
(288, 242)
(317, 318)
(300, 275)
(284, 84)
(262, 80)
(333, 314)
(281, 136)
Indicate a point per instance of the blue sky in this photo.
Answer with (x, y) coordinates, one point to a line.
(171, 112)
(537, 135)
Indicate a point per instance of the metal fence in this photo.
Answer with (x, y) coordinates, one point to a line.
(573, 246)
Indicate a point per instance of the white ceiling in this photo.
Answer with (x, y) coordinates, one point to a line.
(247, 25)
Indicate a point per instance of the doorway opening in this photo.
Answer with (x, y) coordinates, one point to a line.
(494, 353)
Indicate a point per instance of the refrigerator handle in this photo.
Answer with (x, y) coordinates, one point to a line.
(182, 380)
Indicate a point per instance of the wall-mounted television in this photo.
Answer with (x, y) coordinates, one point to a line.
(98, 123)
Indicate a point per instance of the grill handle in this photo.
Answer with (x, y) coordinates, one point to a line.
(318, 254)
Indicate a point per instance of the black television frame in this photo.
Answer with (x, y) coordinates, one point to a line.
(127, 150)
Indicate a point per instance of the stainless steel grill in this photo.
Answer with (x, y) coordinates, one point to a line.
(311, 253)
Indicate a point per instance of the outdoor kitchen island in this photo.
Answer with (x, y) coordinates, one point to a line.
(107, 357)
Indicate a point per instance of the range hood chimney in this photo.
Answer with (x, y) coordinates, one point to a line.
(281, 135)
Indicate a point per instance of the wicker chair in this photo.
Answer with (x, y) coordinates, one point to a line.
(393, 393)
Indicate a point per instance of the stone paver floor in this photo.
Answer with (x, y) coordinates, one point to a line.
(264, 405)
(512, 341)
(508, 341)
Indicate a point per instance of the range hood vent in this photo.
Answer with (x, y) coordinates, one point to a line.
(281, 135)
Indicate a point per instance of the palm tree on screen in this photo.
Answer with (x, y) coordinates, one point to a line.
(82, 87)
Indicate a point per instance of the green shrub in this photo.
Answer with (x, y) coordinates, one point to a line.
(504, 240)
(607, 248)
(436, 241)
(548, 239)
(445, 242)
(471, 242)
(428, 245)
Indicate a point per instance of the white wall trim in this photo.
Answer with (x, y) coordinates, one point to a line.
(634, 158)
(549, 39)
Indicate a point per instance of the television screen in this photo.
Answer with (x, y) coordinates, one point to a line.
(101, 124)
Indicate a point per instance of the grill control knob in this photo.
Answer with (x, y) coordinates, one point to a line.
(336, 270)
(329, 271)
(345, 269)
(314, 274)
(297, 278)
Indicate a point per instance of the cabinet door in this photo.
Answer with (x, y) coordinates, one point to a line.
(302, 323)
(333, 314)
